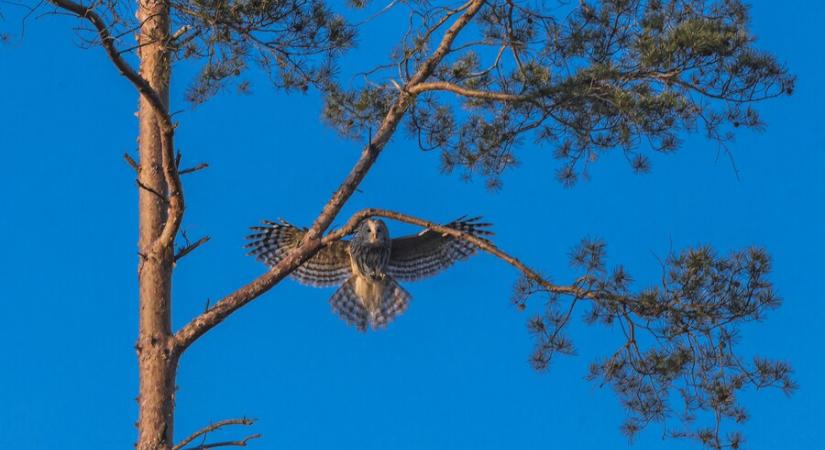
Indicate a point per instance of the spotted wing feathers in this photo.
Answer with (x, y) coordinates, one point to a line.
(271, 242)
(429, 252)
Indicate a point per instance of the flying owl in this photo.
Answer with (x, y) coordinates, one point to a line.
(367, 267)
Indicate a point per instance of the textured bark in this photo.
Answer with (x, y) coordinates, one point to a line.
(157, 359)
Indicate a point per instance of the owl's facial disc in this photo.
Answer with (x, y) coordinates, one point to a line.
(376, 231)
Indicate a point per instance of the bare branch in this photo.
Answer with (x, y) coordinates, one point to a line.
(181, 31)
(149, 189)
(213, 427)
(190, 248)
(465, 92)
(241, 443)
(108, 42)
(132, 163)
(194, 169)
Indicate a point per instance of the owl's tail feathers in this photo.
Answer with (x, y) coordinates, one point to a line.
(394, 302)
(346, 303)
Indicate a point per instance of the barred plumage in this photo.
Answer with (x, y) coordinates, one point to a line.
(429, 252)
(348, 306)
(370, 249)
(355, 304)
(272, 242)
(366, 266)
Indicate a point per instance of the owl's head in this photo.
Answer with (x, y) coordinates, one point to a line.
(373, 231)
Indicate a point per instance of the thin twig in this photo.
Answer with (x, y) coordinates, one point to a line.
(131, 162)
(241, 443)
(196, 168)
(213, 427)
(189, 248)
(158, 194)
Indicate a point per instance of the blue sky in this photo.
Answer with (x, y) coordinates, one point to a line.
(452, 372)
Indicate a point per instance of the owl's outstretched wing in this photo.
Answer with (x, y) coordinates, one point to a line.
(429, 252)
(271, 242)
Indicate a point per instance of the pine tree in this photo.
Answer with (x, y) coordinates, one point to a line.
(475, 80)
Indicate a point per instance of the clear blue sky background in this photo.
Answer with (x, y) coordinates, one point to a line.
(451, 373)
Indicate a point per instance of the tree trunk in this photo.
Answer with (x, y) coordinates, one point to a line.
(157, 359)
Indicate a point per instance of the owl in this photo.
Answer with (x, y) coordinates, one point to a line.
(367, 267)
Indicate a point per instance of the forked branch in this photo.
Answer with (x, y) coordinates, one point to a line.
(190, 248)
(175, 202)
(108, 43)
(215, 426)
(194, 169)
(240, 443)
(312, 240)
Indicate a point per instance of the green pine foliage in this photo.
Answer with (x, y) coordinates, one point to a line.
(678, 364)
(295, 41)
(629, 75)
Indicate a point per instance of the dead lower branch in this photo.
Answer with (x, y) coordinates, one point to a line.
(149, 189)
(132, 163)
(189, 248)
(240, 443)
(194, 169)
(215, 426)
